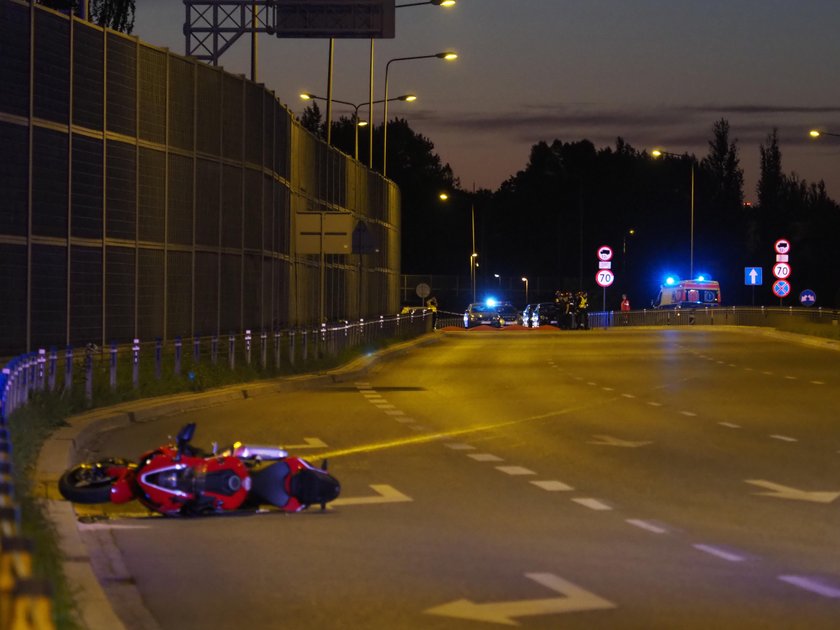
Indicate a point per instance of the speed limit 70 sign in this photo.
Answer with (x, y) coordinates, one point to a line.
(781, 270)
(604, 277)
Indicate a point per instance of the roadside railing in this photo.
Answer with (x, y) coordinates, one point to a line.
(801, 319)
(93, 371)
(93, 374)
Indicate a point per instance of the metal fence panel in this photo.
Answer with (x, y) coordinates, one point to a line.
(87, 187)
(121, 111)
(52, 67)
(48, 302)
(88, 76)
(14, 52)
(170, 185)
(49, 182)
(14, 179)
(121, 190)
(85, 294)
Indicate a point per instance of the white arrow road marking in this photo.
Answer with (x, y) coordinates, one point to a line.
(384, 494)
(309, 442)
(574, 599)
(785, 492)
(608, 440)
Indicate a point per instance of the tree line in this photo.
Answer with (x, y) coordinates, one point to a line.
(571, 198)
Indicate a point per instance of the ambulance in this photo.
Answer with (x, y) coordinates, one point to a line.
(700, 293)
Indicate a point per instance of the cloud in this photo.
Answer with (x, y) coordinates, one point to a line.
(684, 126)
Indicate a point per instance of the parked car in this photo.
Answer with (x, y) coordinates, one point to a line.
(546, 313)
(508, 314)
(479, 313)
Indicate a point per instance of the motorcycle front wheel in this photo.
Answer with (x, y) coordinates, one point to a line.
(89, 483)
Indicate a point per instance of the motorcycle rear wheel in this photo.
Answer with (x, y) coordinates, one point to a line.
(88, 482)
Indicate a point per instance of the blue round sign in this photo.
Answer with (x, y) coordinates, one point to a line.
(807, 298)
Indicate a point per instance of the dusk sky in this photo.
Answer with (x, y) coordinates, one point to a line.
(659, 73)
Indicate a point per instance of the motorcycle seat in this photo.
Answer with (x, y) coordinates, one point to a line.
(268, 483)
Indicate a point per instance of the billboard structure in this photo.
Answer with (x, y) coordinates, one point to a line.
(212, 26)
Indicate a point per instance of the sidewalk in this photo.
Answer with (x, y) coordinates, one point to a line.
(92, 562)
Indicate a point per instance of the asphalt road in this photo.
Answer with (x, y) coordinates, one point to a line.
(681, 478)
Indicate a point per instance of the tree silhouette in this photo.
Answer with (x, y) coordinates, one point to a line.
(114, 14)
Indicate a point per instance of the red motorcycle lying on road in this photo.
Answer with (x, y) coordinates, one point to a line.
(180, 479)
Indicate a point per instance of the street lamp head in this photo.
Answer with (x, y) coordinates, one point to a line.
(443, 196)
(814, 133)
(307, 97)
(362, 123)
(409, 98)
(448, 55)
(443, 3)
(524, 279)
(656, 153)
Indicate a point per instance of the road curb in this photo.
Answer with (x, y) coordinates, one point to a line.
(86, 566)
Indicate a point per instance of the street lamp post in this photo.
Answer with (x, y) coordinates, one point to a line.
(816, 133)
(627, 233)
(525, 280)
(658, 153)
(439, 3)
(410, 98)
(473, 254)
(448, 55)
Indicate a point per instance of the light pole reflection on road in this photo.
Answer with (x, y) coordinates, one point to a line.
(659, 153)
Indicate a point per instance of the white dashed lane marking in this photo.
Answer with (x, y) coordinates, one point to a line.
(818, 382)
(592, 504)
(515, 470)
(655, 404)
(628, 395)
(460, 446)
(730, 425)
(656, 529)
(811, 584)
(688, 413)
(485, 457)
(553, 486)
(394, 412)
(719, 553)
(784, 438)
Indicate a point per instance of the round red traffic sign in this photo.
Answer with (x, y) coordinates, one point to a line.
(605, 252)
(782, 246)
(781, 288)
(604, 277)
(781, 270)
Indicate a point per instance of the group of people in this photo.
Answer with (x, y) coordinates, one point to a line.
(574, 309)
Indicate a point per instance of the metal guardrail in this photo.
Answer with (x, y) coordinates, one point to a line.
(794, 319)
(26, 602)
(786, 318)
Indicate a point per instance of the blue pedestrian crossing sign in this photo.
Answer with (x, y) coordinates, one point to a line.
(752, 276)
(807, 298)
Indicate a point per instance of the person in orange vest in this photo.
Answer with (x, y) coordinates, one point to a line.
(625, 309)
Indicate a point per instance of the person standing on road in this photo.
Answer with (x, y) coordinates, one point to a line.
(625, 309)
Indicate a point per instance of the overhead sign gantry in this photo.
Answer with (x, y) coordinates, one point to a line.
(212, 26)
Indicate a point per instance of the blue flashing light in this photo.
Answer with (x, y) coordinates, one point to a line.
(491, 302)
(670, 281)
(701, 277)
